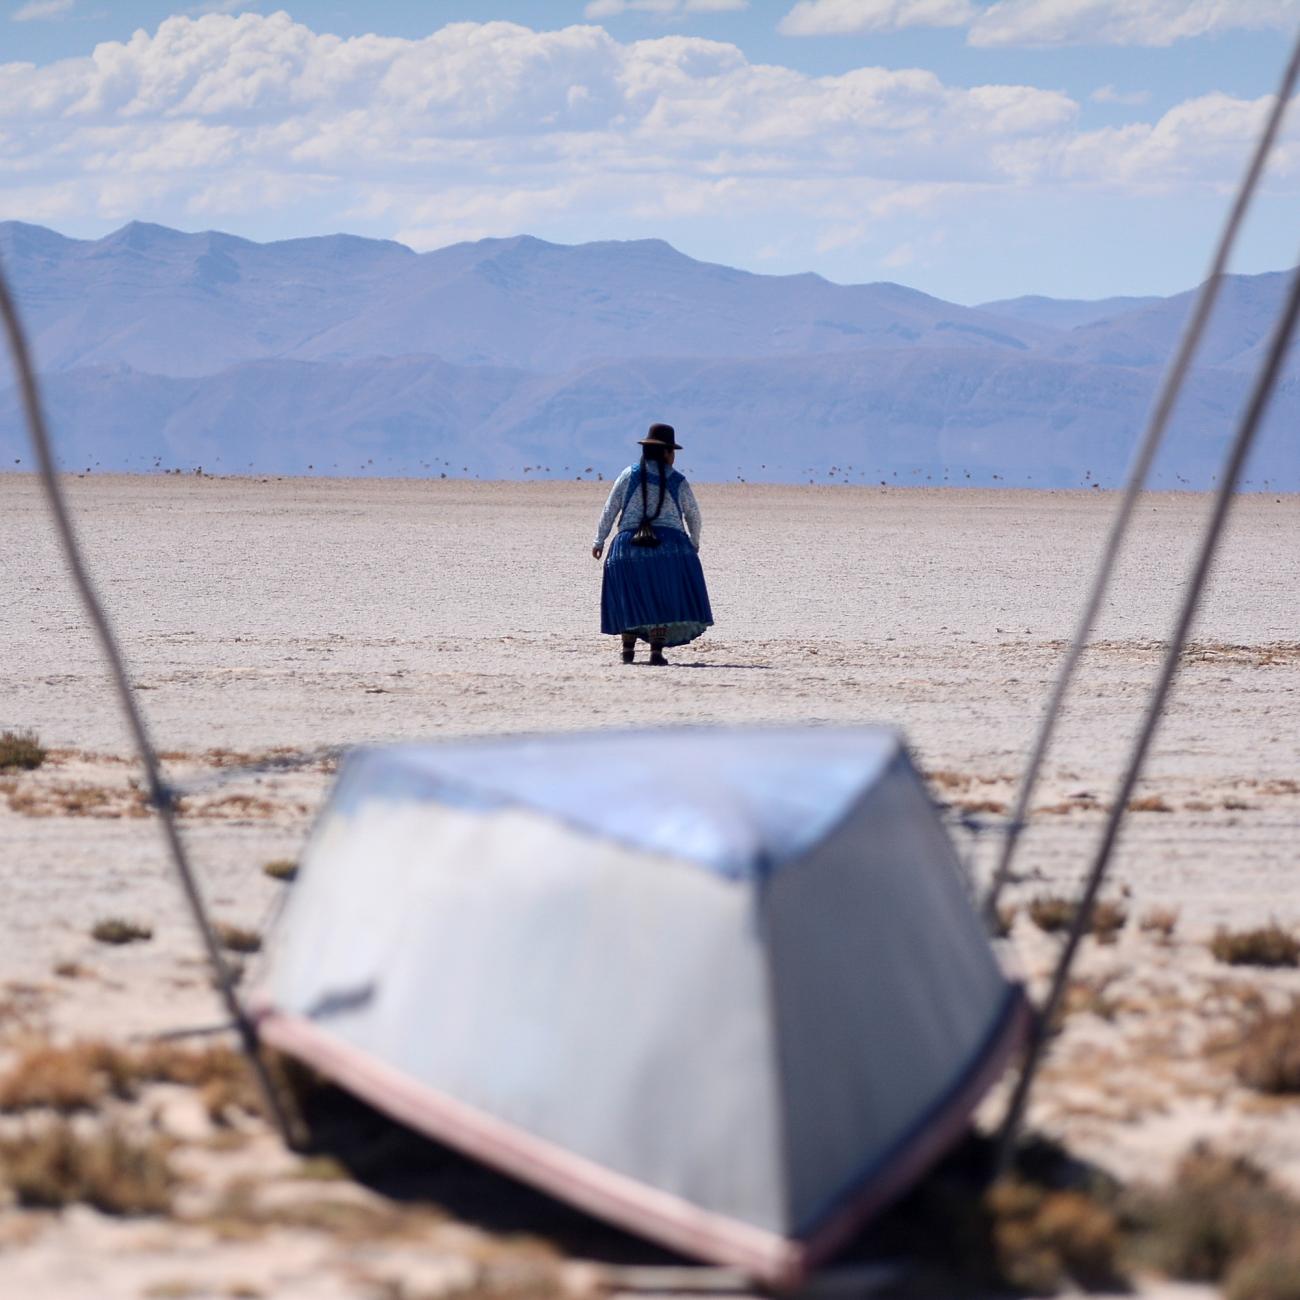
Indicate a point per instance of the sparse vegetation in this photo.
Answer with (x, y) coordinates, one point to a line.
(1269, 1057)
(285, 869)
(1159, 921)
(1269, 945)
(1005, 920)
(976, 806)
(1051, 912)
(1054, 912)
(1220, 1217)
(56, 1165)
(117, 930)
(81, 1076)
(20, 751)
(1044, 1238)
(1149, 803)
(236, 938)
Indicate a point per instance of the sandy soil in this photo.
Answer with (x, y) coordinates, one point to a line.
(290, 615)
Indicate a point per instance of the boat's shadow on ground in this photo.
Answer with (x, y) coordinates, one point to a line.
(407, 1167)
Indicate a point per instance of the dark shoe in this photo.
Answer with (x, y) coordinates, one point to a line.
(629, 656)
(657, 657)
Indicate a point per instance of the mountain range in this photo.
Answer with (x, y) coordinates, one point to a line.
(520, 358)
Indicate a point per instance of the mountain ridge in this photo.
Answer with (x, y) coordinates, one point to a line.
(159, 346)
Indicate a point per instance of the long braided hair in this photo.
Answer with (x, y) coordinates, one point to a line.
(657, 454)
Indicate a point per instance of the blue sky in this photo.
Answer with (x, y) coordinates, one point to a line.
(1078, 148)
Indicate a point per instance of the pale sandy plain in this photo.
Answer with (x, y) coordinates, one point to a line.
(293, 614)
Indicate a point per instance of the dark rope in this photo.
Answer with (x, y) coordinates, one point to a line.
(1236, 459)
(1137, 477)
(161, 796)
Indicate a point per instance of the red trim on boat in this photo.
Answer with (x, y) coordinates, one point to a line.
(647, 1211)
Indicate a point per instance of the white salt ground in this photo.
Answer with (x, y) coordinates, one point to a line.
(299, 613)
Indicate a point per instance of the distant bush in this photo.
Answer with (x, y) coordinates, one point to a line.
(20, 751)
(235, 938)
(1054, 912)
(285, 869)
(1269, 1057)
(1269, 945)
(1160, 921)
(1220, 1217)
(116, 930)
(57, 1166)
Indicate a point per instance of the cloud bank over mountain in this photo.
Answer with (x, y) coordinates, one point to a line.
(480, 129)
(517, 357)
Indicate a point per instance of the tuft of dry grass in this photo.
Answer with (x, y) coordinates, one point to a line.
(285, 869)
(1268, 1059)
(1149, 803)
(1054, 912)
(1005, 920)
(78, 799)
(976, 806)
(1159, 921)
(1045, 1239)
(20, 751)
(1270, 1272)
(72, 970)
(1217, 1216)
(64, 1079)
(1051, 912)
(82, 1075)
(56, 1166)
(117, 930)
(1270, 945)
(236, 938)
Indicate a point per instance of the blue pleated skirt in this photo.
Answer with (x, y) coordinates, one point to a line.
(654, 586)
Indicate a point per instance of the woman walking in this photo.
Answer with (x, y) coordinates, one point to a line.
(653, 586)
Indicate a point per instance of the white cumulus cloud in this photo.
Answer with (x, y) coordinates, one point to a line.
(1040, 22)
(1124, 22)
(850, 17)
(493, 128)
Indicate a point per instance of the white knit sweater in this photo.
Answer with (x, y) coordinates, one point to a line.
(669, 516)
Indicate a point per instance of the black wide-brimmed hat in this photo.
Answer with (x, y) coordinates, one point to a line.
(661, 435)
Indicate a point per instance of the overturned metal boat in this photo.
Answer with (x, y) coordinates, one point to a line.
(725, 988)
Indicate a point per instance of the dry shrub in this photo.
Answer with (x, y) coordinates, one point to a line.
(117, 930)
(1108, 919)
(1091, 995)
(57, 1166)
(1055, 912)
(82, 1075)
(1268, 1273)
(1269, 1057)
(1005, 920)
(1045, 1239)
(235, 938)
(1160, 921)
(948, 780)
(1149, 803)
(78, 799)
(64, 1079)
(285, 869)
(1051, 912)
(975, 806)
(1219, 1212)
(1269, 945)
(1233, 803)
(72, 970)
(20, 751)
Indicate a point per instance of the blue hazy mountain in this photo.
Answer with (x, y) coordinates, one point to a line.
(347, 355)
